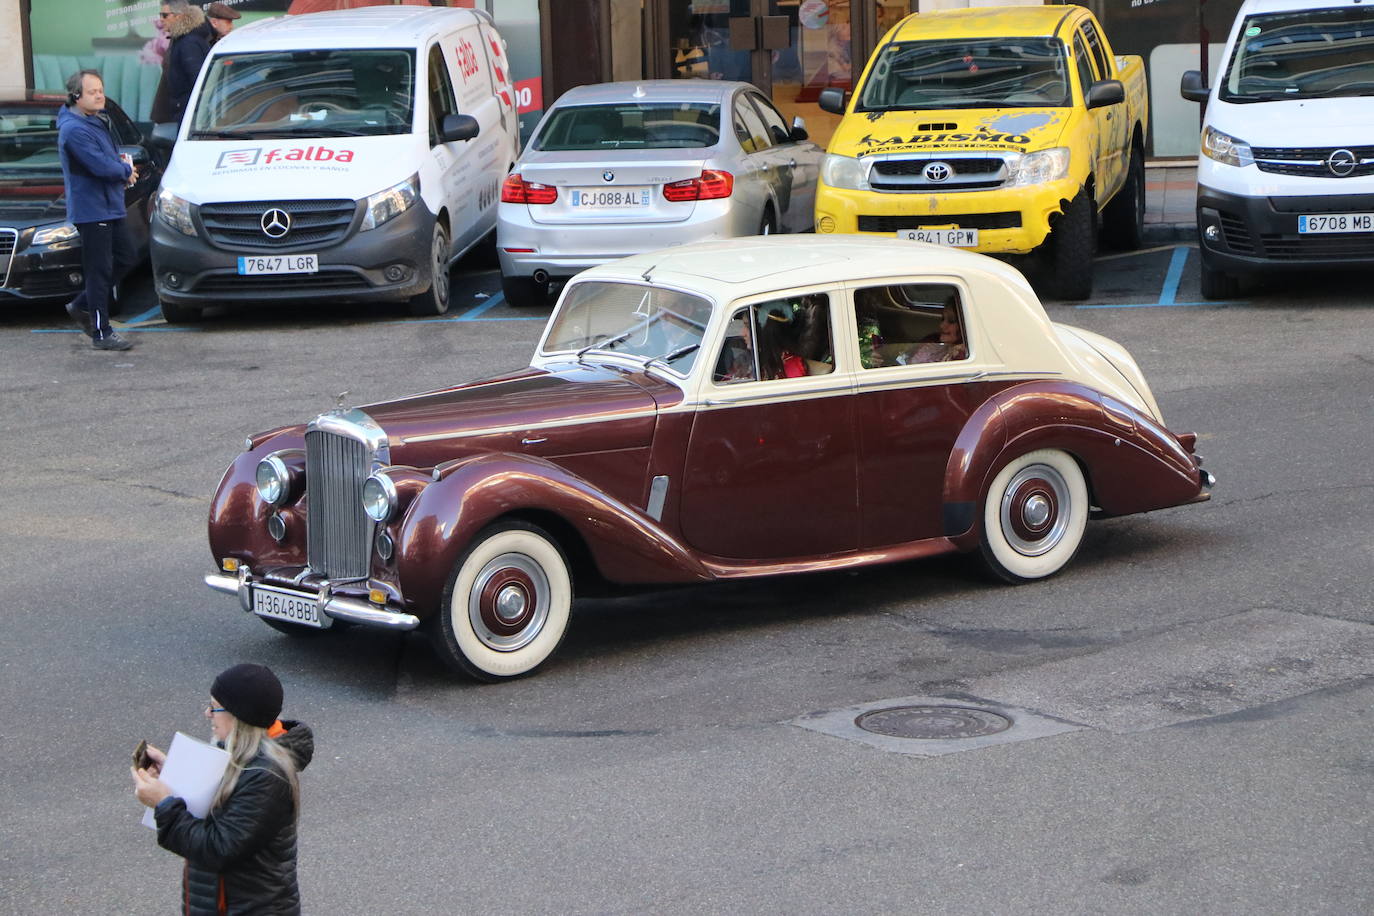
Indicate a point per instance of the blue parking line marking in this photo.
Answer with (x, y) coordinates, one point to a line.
(1175, 274)
(1156, 305)
(126, 330)
(155, 310)
(495, 300)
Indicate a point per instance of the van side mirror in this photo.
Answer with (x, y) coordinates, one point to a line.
(459, 127)
(798, 133)
(1106, 92)
(831, 100)
(1192, 88)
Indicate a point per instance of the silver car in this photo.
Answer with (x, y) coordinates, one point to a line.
(622, 168)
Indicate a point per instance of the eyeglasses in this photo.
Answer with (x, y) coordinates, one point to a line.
(212, 709)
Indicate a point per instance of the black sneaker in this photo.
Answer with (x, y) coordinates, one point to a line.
(111, 341)
(81, 317)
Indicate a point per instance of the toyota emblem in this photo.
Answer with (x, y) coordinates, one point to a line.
(608, 175)
(1342, 162)
(937, 171)
(275, 223)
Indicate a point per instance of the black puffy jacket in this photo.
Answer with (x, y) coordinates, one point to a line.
(241, 857)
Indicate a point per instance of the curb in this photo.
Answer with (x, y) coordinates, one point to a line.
(1166, 233)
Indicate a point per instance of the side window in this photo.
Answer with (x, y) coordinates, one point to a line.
(780, 338)
(777, 127)
(441, 103)
(753, 127)
(1104, 66)
(1084, 63)
(902, 324)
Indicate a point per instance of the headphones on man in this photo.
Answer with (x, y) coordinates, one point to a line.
(73, 98)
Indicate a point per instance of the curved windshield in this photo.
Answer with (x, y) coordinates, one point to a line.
(984, 73)
(326, 93)
(1322, 53)
(652, 125)
(654, 324)
(28, 143)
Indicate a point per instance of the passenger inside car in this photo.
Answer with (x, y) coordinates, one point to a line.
(903, 324)
(783, 338)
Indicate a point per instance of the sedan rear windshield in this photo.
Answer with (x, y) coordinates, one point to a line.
(645, 125)
(300, 94)
(1324, 53)
(647, 322)
(28, 143)
(987, 73)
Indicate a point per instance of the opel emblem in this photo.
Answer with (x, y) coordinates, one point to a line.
(275, 223)
(937, 171)
(1342, 162)
(608, 175)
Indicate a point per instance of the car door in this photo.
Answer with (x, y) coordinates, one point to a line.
(1115, 121)
(485, 157)
(770, 465)
(796, 165)
(913, 395)
(458, 182)
(754, 178)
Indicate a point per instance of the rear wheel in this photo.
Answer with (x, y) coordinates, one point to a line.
(1034, 516)
(507, 604)
(435, 300)
(1124, 218)
(524, 292)
(1071, 249)
(176, 313)
(1217, 284)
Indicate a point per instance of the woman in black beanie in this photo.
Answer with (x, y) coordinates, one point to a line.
(240, 857)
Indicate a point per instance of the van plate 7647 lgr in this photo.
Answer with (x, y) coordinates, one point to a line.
(1336, 222)
(279, 264)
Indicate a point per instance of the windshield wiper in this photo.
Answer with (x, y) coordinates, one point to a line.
(223, 134)
(605, 344)
(675, 355)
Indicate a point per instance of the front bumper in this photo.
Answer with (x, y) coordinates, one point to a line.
(1244, 234)
(329, 603)
(1008, 220)
(44, 272)
(191, 270)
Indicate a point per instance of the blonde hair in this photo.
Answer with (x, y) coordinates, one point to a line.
(243, 743)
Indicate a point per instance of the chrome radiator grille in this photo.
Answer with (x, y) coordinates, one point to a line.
(9, 241)
(338, 532)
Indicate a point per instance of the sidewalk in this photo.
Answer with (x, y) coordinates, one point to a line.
(1170, 194)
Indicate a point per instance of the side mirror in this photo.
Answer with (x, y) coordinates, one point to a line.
(137, 153)
(798, 133)
(1191, 87)
(1106, 92)
(831, 100)
(459, 127)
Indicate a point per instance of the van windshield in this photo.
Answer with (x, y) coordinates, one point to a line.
(983, 73)
(1306, 54)
(325, 93)
(652, 125)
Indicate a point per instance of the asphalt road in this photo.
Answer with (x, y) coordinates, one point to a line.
(1191, 698)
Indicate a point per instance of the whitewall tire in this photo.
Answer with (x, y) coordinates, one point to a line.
(1034, 516)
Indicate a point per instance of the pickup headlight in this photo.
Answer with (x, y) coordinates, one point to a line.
(391, 203)
(175, 212)
(1041, 167)
(844, 172)
(1226, 149)
(63, 233)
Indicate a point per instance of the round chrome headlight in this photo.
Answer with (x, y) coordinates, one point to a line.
(273, 480)
(379, 497)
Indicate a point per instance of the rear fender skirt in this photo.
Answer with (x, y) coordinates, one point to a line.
(441, 522)
(1131, 462)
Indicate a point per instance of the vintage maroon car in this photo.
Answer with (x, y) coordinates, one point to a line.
(720, 410)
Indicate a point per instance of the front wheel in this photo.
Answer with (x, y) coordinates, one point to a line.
(1071, 249)
(1033, 516)
(507, 604)
(435, 300)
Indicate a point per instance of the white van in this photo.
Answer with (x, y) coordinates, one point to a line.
(1286, 173)
(347, 156)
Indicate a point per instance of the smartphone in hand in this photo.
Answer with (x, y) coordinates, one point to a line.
(141, 759)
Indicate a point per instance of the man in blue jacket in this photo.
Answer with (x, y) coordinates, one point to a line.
(95, 177)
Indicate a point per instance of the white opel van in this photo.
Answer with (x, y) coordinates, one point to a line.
(1286, 172)
(344, 156)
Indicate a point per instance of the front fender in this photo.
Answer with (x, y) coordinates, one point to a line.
(445, 516)
(1131, 462)
(238, 516)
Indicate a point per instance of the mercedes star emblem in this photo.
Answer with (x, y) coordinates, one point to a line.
(937, 171)
(1342, 162)
(608, 175)
(275, 223)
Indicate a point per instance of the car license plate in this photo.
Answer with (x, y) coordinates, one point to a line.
(289, 606)
(610, 198)
(1335, 222)
(279, 264)
(955, 238)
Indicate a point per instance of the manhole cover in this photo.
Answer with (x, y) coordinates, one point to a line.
(938, 723)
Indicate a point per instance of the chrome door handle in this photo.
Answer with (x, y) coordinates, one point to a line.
(534, 440)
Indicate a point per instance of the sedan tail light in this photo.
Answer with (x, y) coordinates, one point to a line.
(516, 190)
(711, 184)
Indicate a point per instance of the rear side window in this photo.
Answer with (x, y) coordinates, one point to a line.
(749, 127)
(1104, 66)
(651, 125)
(903, 324)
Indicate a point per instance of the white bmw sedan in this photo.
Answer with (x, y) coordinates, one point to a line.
(622, 168)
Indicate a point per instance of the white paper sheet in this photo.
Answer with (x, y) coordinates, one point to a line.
(193, 770)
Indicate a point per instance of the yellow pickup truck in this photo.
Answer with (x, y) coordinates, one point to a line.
(1006, 130)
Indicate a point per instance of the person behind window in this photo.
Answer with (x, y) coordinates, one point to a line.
(778, 356)
(947, 345)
